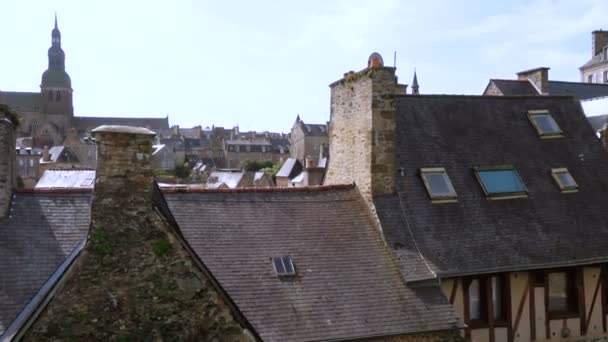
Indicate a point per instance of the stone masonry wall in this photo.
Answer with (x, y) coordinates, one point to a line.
(362, 131)
(134, 280)
(492, 90)
(539, 77)
(8, 163)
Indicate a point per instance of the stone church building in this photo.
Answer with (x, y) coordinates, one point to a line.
(48, 116)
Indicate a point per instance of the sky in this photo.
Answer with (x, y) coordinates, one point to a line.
(258, 64)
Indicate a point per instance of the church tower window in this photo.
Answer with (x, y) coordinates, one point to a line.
(50, 96)
(57, 96)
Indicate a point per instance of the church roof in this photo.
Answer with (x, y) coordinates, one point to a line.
(56, 78)
(21, 101)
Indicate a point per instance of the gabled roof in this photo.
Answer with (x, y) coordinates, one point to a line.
(42, 229)
(290, 168)
(548, 229)
(514, 87)
(229, 179)
(347, 285)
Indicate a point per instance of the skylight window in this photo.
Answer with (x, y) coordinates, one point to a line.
(564, 180)
(438, 185)
(545, 125)
(501, 182)
(283, 266)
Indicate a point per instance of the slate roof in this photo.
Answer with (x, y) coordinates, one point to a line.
(21, 101)
(474, 235)
(43, 228)
(290, 168)
(314, 130)
(347, 284)
(583, 91)
(230, 179)
(594, 61)
(514, 87)
(88, 123)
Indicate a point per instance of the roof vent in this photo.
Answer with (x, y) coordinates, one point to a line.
(283, 266)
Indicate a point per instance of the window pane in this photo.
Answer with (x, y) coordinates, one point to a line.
(278, 265)
(497, 293)
(501, 181)
(558, 292)
(288, 265)
(546, 124)
(474, 305)
(438, 183)
(566, 179)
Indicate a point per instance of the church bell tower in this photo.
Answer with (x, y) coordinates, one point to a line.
(56, 86)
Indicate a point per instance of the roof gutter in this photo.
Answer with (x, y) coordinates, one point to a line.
(32, 310)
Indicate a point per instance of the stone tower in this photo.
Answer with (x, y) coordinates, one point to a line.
(56, 86)
(362, 129)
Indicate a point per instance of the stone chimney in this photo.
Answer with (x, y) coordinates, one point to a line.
(136, 278)
(310, 162)
(539, 77)
(8, 159)
(45, 154)
(362, 129)
(599, 39)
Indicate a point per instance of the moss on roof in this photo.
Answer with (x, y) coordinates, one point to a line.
(9, 113)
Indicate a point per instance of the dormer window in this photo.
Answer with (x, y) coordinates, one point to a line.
(545, 125)
(283, 266)
(438, 185)
(564, 180)
(501, 182)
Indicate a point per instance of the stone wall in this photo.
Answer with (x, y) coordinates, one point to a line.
(599, 39)
(362, 131)
(8, 163)
(539, 77)
(135, 280)
(492, 90)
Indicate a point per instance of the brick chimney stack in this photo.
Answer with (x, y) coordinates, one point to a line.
(539, 77)
(599, 39)
(8, 159)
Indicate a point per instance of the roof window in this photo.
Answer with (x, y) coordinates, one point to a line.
(283, 266)
(564, 180)
(545, 125)
(501, 182)
(438, 185)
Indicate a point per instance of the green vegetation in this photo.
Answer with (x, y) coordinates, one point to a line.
(254, 165)
(182, 171)
(100, 242)
(162, 247)
(10, 114)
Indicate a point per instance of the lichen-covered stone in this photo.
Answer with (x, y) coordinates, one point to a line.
(134, 281)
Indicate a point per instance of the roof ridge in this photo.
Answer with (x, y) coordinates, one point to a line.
(318, 188)
(582, 83)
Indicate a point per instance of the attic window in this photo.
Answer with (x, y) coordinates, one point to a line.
(283, 266)
(438, 185)
(545, 125)
(501, 182)
(564, 180)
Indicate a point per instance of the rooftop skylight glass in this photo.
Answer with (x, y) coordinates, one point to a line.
(501, 182)
(438, 184)
(545, 125)
(564, 180)
(283, 266)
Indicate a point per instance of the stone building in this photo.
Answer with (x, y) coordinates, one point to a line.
(48, 117)
(497, 201)
(307, 140)
(131, 262)
(596, 69)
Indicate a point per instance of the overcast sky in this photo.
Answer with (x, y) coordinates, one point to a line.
(260, 63)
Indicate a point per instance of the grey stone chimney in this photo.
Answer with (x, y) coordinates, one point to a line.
(8, 159)
(539, 77)
(362, 129)
(599, 39)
